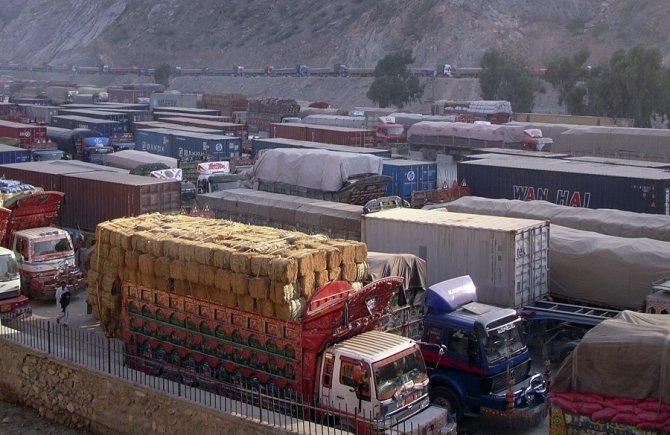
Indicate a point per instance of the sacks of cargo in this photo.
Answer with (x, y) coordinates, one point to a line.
(259, 269)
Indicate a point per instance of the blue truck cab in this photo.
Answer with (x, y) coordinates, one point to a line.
(94, 149)
(477, 357)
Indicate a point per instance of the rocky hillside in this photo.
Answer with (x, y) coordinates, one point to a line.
(256, 33)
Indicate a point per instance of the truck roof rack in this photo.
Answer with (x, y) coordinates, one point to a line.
(583, 315)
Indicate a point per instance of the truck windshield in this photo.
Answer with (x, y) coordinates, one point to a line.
(503, 342)
(393, 373)
(51, 246)
(101, 150)
(395, 131)
(9, 268)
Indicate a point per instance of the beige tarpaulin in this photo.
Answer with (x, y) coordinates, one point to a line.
(628, 356)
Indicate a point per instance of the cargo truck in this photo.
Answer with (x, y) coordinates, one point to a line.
(13, 304)
(81, 143)
(329, 359)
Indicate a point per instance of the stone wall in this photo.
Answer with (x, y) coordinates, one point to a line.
(101, 404)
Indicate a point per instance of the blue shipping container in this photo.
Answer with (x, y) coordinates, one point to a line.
(10, 154)
(158, 141)
(271, 143)
(105, 127)
(408, 176)
(569, 182)
(219, 147)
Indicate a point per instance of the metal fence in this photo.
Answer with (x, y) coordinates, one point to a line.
(234, 395)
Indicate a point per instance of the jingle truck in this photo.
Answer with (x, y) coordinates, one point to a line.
(12, 303)
(44, 254)
(330, 359)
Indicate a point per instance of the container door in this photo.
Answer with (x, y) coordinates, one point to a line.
(531, 264)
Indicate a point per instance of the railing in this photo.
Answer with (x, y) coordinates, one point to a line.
(234, 395)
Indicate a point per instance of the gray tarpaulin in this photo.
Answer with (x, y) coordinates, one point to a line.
(130, 159)
(628, 356)
(408, 266)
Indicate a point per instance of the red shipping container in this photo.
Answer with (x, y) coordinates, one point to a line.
(289, 131)
(128, 96)
(30, 136)
(94, 197)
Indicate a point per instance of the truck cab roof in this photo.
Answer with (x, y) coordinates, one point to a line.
(41, 232)
(475, 315)
(373, 346)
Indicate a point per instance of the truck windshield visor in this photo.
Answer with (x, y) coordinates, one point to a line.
(394, 373)
(503, 342)
(57, 245)
(9, 268)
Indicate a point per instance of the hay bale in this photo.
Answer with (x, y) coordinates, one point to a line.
(229, 299)
(239, 284)
(187, 251)
(333, 257)
(193, 272)
(349, 272)
(282, 293)
(291, 310)
(92, 279)
(207, 275)
(260, 264)
(356, 286)
(125, 240)
(221, 257)
(162, 267)
(177, 270)
(361, 271)
(115, 239)
(201, 292)
(103, 233)
(116, 256)
(246, 303)
(182, 287)
(306, 284)
(267, 307)
(140, 243)
(155, 242)
(304, 259)
(146, 264)
(203, 253)
(240, 262)
(321, 278)
(259, 288)
(284, 270)
(102, 250)
(347, 249)
(223, 279)
(361, 252)
(131, 260)
(319, 259)
(162, 283)
(171, 248)
(147, 279)
(334, 273)
(106, 284)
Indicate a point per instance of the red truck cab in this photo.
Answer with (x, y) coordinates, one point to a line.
(390, 133)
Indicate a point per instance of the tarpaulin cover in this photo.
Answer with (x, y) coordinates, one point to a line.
(491, 133)
(314, 169)
(628, 356)
(408, 266)
(606, 221)
(130, 159)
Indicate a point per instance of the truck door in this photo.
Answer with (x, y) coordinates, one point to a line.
(353, 393)
(327, 379)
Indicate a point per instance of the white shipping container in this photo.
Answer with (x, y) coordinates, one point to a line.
(170, 99)
(507, 258)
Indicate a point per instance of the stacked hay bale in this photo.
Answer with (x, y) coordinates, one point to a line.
(261, 269)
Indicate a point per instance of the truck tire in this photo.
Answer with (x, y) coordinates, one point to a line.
(447, 398)
(566, 350)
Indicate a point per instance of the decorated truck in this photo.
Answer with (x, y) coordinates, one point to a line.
(12, 303)
(615, 380)
(259, 313)
(44, 254)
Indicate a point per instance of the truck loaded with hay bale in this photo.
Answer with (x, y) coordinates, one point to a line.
(214, 303)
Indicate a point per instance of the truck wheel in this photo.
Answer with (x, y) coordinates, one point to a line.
(566, 350)
(447, 398)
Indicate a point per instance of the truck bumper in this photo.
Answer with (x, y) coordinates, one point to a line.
(519, 417)
(432, 420)
(15, 308)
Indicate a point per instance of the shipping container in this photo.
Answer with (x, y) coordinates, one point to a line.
(229, 128)
(218, 147)
(517, 152)
(111, 129)
(174, 127)
(624, 162)
(96, 197)
(408, 176)
(134, 115)
(121, 117)
(30, 136)
(336, 120)
(10, 154)
(323, 134)
(569, 182)
(38, 113)
(552, 118)
(507, 258)
(155, 141)
(159, 116)
(168, 100)
(117, 95)
(48, 174)
(263, 144)
(313, 216)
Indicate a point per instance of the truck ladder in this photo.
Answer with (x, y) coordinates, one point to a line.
(579, 314)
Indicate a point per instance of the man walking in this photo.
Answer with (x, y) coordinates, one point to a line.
(63, 300)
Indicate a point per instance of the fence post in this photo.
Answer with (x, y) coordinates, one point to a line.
(109, 356)
(49, 338)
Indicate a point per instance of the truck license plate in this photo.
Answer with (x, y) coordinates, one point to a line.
(5, 308)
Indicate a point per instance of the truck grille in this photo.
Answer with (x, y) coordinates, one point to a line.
(499, 381)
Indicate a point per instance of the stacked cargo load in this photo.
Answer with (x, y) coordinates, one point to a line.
(256, 269)
(261, 113)
(225, 103)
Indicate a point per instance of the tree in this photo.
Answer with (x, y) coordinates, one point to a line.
(162, 74)
(567, 75)
(505, 76)
(632, 84)
(393, 85)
